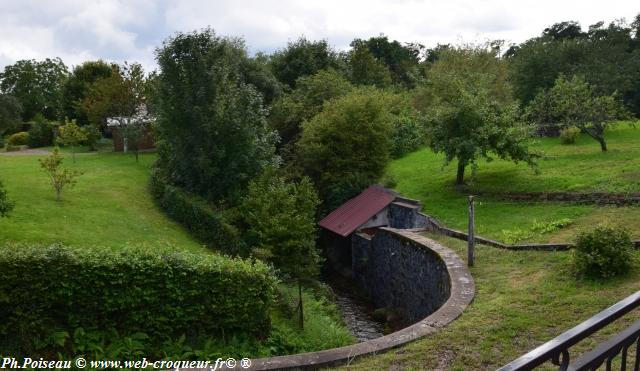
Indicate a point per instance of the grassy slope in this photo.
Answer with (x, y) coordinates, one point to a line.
(523, 298)
(109, 206)
(580, 167)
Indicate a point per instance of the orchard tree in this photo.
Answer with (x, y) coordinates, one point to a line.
(212, 127)
(37, 85)
(470, 114)
(6, 205)
(573, 102)
(71, 135)
(10, 110)
(281, 226)
(349, 140)
(59, 177)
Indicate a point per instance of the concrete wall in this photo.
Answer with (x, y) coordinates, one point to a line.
(401, 273)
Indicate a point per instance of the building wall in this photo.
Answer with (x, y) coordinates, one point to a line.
(118, 141)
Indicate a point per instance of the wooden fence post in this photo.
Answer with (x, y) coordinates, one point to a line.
(471, 241)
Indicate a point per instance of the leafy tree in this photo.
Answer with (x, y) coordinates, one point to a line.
(469, 109)
(281, 226)
(257, 72)
(79, 84)
(564, 30)
(211, 124)
(401, 61)
(41, 132)
(71, 135)
(573, 102)
(352, 134)
(305, 101)
(302, 58)
(37, 85)
(365, 69)
(10, 110)
(6, 205)
(60, 178)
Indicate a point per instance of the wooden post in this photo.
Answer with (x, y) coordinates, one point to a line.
(471, 241)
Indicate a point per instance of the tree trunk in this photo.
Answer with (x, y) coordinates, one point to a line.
(460, 175)
(603, 144)
(73, 154)
(58, 194)
(301, 318)
(136, 152)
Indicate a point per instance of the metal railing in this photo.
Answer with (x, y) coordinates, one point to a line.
(557, 350)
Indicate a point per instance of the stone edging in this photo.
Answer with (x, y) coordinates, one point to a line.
(462, 294)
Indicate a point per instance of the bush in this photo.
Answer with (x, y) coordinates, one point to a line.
(18, 139)
(203, 221)
(40, 134)
(48, 293)
(603, 252)
(408, 135)
(569, 135)
(92, 135)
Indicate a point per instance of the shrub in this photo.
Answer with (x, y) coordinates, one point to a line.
(18, 139)
(92, 135)
(408, 135)
(48, 293)
(569, 135)
(6, 205)
(41, 133)
(603, 252)
(203, 221)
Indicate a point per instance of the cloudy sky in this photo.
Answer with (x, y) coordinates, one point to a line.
(119, 30)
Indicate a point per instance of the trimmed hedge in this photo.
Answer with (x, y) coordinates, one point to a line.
(203, 221)
(18, 139)
(164, 294)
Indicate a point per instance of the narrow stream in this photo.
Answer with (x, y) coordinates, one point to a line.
(357, 316)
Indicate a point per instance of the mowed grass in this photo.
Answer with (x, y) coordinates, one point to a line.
(581, 167)
(110, 206)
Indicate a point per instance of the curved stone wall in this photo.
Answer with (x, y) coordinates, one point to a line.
(402, 249)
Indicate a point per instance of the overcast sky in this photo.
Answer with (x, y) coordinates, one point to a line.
(119, 30)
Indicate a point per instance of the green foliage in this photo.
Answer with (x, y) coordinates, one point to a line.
(305, 101)
(399, 62)
(408, 130)
(79, 84)
(352, 134)
(71, 135)
(92, 135)
(573, 102)
(6, 205)
(281, 228)
(538, 228)
(212, 130)
(209, 225)
(603, 252)
(41, 132)
(470, 113)
(59, 177)
(18, 139)
(569, 135)
(302, 58)
(141, 295)
(37, 85)
(10, 111)
(365, 69)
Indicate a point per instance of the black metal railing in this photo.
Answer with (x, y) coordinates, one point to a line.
(557, 350)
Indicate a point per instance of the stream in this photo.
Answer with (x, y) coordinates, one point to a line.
(357, 316)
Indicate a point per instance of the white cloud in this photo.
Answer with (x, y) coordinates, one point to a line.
(119, 30)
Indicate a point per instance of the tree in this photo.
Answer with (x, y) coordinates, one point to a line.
(351, 135)
(281, 226)
(469, 110)
(365, 69)
(37, 85)
(71, 135)
(302, 58)
(78, 85)
(212, 129)
(10, 110)
(402, 62)
(6, 205)
(573, 102)
(60, 178)
(135, 134)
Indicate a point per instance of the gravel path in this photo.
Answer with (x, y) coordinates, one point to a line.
(25, 152)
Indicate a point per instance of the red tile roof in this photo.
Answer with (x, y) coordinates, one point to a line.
(357, 211)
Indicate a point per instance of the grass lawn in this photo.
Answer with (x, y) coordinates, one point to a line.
(575, 168)
(109, 206)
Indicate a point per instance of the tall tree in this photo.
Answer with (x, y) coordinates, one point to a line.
(37, 85)
(402, 61)
(573, 102)
(211, 123)
(79, 84)
(10, 110)
(302, 58)
(366, 69)
(469, 110)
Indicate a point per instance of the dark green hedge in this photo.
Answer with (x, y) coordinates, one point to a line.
(204, 222)
(164, 294)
